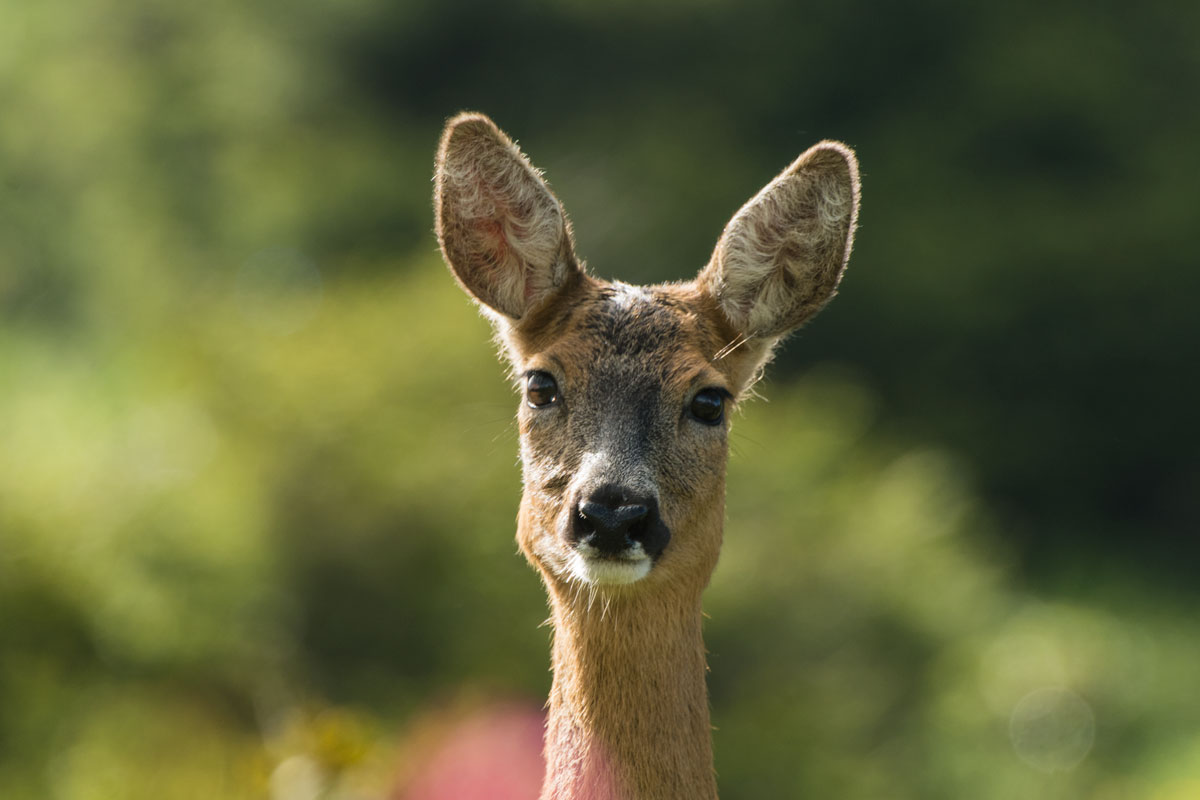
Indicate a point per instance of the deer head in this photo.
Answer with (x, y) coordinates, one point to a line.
(627, 390)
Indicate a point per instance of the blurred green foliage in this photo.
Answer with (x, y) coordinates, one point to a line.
(257, 466)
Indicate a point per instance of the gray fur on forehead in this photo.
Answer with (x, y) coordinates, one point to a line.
(639, 328)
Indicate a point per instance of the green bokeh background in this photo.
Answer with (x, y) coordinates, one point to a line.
(257, 463)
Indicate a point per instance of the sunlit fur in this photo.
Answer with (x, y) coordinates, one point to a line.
(628, 710)
(497, 219)
(782, 255)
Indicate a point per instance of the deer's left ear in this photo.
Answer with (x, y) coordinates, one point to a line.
(782, 255)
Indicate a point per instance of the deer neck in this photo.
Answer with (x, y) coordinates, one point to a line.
(628, 711)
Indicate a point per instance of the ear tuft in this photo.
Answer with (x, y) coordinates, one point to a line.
(501, 230)
(782, 255)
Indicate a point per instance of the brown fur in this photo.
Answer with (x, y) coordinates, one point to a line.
(628, 709)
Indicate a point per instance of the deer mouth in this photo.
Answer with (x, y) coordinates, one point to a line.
(594, 566)
(614, 536)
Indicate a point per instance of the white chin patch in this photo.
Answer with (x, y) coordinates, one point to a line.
(608, 571)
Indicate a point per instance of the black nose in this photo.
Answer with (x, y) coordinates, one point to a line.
(612, 520)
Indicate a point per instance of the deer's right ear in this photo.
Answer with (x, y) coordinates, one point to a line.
(501, 230)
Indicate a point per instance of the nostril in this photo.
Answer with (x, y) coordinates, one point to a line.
(606, 528)
(612, 517)
(614, 522)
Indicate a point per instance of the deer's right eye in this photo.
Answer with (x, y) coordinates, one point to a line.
(540, 390)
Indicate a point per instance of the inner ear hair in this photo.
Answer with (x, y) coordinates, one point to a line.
(501, 229)
(781, 257)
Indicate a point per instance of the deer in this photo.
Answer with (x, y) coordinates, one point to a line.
(623, 426)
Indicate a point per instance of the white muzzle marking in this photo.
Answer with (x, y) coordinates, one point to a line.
(586, 564)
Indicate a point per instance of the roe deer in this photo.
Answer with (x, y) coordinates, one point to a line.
(624, 437)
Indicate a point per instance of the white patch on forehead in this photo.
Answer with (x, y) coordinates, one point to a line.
(625, 296)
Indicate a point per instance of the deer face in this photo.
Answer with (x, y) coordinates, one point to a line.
(624, 422)
(626, 390)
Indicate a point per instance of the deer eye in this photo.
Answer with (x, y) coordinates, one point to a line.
(708, 406)
(540, 389)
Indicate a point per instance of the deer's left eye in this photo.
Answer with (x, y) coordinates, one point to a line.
(708, 406)
(541, 390)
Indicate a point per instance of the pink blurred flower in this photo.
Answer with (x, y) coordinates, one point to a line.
(494, 754)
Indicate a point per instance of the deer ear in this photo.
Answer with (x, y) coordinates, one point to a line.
(501, 230)
(782, 255)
